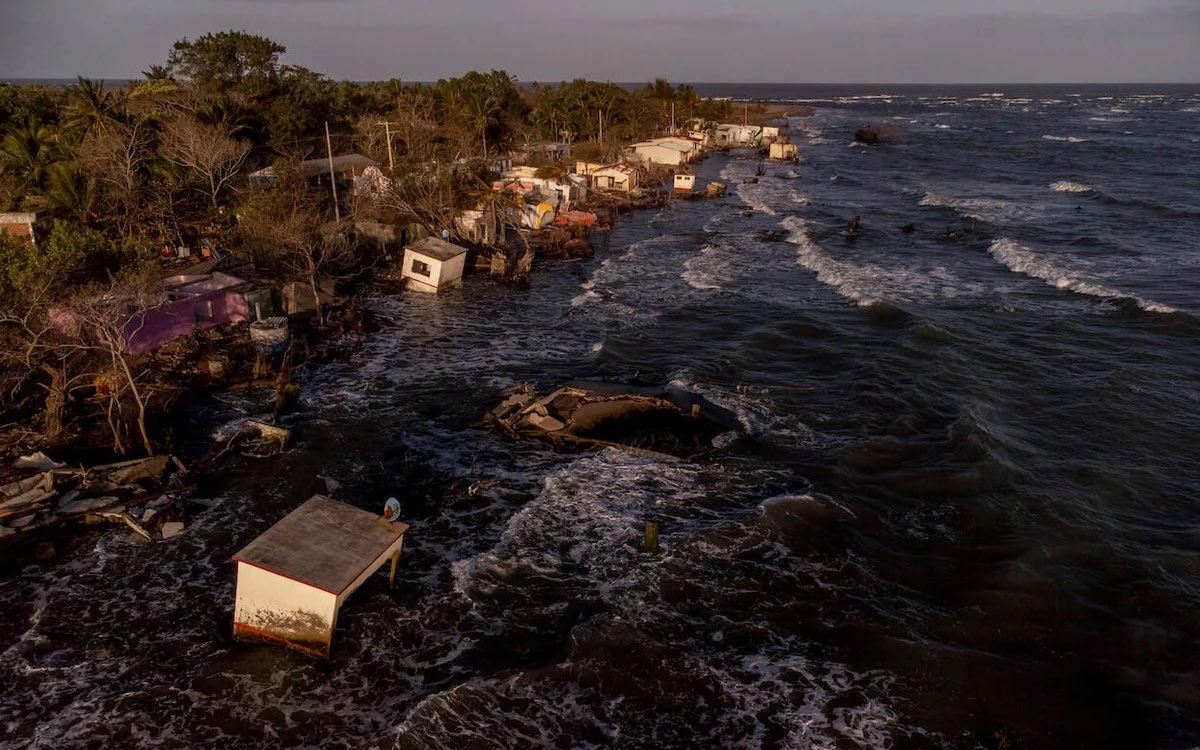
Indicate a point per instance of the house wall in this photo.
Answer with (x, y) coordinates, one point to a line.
(421, 283)
(477, 226)
(661, 155)
(269, 606)
(182, 316)
(18, 224)
(450, 272)
(784, 151)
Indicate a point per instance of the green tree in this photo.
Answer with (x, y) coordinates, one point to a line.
(27, 150)
(227, 60)
(91, 107)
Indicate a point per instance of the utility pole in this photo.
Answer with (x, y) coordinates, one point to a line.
(672, 118)
(387, 128)
(337, 212)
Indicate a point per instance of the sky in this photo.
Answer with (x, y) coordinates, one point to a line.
(792, 41)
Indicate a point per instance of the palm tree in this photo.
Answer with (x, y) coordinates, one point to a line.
(480, 112)
(91, 107)
(28, 148)
(70, 191)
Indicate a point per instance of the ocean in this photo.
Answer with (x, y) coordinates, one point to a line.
(961, 513)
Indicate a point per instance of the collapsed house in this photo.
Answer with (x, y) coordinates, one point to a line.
(195, 303)
(433, 265)
(657, 420)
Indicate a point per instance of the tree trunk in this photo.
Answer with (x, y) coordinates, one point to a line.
(137, 399)
(56, 402)
(312, 282)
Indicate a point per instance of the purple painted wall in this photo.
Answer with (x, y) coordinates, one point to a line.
(206, 302)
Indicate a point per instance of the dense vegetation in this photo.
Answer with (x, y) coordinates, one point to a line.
(118, 172)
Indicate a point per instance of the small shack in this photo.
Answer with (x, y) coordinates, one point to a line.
(294, 578)
(433, 264)
(685, 183)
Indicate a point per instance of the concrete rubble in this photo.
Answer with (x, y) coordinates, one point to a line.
(659, 421)
(53, 496)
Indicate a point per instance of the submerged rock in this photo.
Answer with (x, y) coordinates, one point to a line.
(881, 132)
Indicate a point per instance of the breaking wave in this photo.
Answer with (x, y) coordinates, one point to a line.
(847, 279)
(1066, 138)
(704, 270)
(1023, 260)
(991, 210)
(1066, 186)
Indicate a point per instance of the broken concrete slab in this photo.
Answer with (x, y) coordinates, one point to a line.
(149, 468)
(14, 490)
(87, 505)
(37, 461)
(651, 420)
(23, 521)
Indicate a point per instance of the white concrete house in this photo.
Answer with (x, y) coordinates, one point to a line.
(432, 265)
(729, 134)
(695, 147)
(620, 178)
(294, 578)
(476, 225)
(559, 192)
(663, 151)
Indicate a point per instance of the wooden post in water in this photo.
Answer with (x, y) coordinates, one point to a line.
(650, 543)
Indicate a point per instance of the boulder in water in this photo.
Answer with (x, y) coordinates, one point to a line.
(872, 133)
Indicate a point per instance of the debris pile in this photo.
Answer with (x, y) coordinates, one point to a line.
(653, 420)
(46, 495)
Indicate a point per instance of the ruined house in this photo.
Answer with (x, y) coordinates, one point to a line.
(433, 265)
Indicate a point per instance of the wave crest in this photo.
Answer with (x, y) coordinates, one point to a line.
(1066, 186)
(1023, 260)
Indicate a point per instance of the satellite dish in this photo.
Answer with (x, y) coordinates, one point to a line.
(445, 234)
(391, 509)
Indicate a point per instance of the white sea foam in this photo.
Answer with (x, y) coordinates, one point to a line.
(1023, 260)
(847, 279)
(1066, 186)
(704, 270)
(756, 195)
(942, 126)
(984, 209)
(1066, 138)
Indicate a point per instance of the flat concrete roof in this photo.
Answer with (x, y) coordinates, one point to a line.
(436, 248)
(323, 543)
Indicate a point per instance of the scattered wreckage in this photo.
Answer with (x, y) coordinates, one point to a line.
(137, 493)
(653, 420)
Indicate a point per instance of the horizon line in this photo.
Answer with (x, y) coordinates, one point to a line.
(17, 79)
